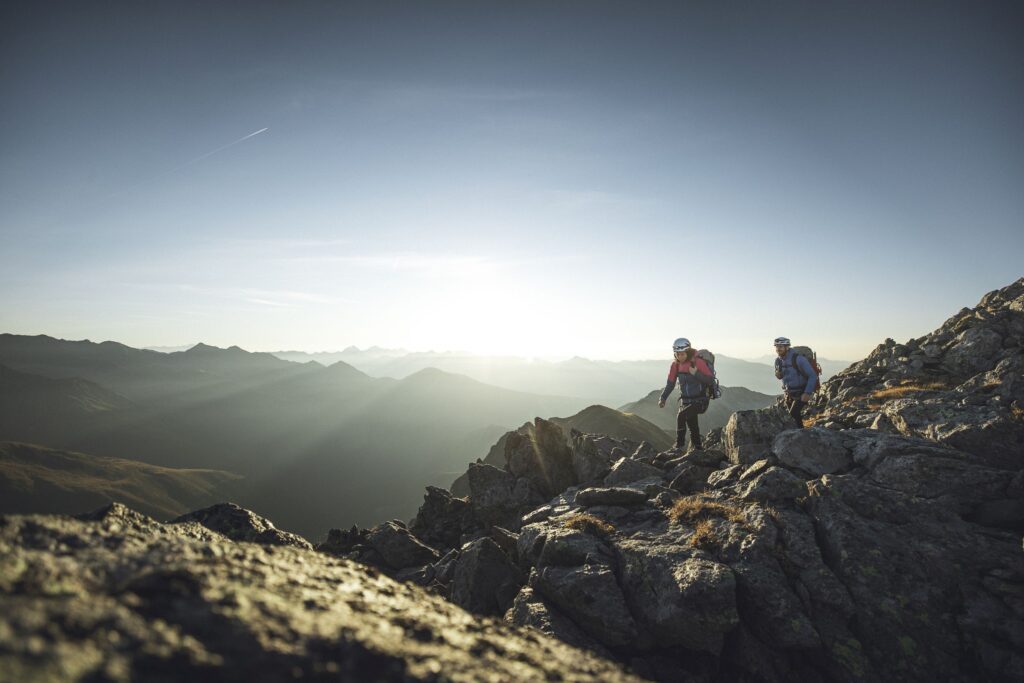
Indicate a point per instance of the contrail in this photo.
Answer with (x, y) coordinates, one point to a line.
(188, 163)
(219, 149)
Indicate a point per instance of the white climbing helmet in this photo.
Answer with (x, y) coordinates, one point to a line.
(782, 341)
(681, 344)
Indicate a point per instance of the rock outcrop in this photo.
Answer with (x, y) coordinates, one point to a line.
(881, 544)
(116, 596)
(962, 385)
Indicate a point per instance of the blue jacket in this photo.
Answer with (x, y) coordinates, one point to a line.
(792, 380)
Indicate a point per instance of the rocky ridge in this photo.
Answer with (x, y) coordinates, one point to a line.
(881, 544)
(860, 549)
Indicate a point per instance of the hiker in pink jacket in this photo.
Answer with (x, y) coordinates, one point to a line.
(694, 377)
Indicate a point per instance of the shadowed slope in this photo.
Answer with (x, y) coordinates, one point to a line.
(44, 480)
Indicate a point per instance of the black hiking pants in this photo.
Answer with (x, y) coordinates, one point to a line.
(796, 407)
(687, 417)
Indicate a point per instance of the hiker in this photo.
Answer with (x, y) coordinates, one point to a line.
(694, 376)
(799, 378)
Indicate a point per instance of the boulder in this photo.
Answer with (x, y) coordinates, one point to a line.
(498, 498)
(591, 597)
(610, 496)
(240, 524)
(399, 548)
(682, 600)
(530, 610)
(724, 477)
(774, 484)
(541, 456)
(442, 519)
(690, 478)
(749, 433)
(814, 451)
(485, 579)
(627, 471)
(592, 456)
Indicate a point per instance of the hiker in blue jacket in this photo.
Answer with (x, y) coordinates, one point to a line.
(798, 378)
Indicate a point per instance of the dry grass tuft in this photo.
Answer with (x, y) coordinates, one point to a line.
(704, 536)
(589, 524)
(907, 388)
(692, 509)
(1017, 413)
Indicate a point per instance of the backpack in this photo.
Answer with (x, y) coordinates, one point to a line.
(714, 391)
(812, 358)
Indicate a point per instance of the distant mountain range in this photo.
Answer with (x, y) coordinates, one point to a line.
(599, 381)
(317, 445)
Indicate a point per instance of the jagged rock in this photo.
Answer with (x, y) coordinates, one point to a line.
(755, 469)
(498, 498)
(749, 433)
(344, 542)
(627, 471)
(775, 483)
(592, 456)
(989, 434)
(541, 456)
(240, 524)
(610, 496)
(724, 477)
(814, 451)
(644, 451)
(897, 555)
(682, 600)
(689, 478)
(151, 603)
(590, 596)
(957, 385)
(530, 610)
(442, 519)
(506, 540)
(485, 580)
(399, 548)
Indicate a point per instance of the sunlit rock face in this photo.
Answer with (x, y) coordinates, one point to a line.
(120, 597)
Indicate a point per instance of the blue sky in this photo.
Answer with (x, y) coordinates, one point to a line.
(553, 179)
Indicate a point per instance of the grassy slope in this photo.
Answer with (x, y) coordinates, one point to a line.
(34, 479)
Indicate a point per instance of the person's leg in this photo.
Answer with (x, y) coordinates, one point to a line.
(689, 415)
(796, 408)
(681, 429)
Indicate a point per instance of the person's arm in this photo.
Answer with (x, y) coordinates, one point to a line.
(808, 370)
(669, 385)
(778, 368)
(703, 374)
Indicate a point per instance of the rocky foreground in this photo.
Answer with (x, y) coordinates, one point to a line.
(882, 544)
(116, 596)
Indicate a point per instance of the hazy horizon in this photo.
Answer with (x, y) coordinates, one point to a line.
(543, 180)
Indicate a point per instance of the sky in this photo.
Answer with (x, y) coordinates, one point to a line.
(544, 179)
